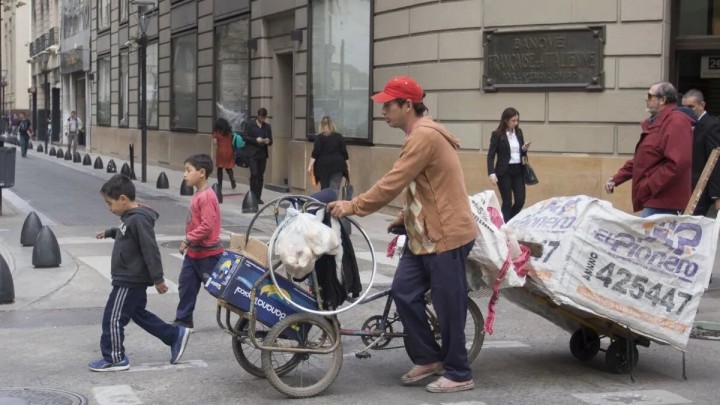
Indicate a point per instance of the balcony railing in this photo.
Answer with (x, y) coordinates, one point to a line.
(41, 43)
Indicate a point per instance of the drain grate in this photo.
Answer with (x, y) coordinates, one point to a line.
(40, 396)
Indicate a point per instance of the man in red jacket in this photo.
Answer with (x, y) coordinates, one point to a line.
(662, 165)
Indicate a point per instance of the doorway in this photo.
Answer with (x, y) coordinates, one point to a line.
(700, 70)
(282, 118)
(79, 80)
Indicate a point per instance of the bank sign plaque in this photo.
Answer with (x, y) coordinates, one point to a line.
(570, 59)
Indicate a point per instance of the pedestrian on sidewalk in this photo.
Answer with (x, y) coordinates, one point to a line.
(25, 131)
(257, 137)
(661, 169)
(329, 161)
(224, 155)
(74, 125)
(436, 214)
(706, 137)
(135, 265)
(507, 173)
(201, 246)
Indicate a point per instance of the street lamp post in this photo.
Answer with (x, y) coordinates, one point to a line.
(144, 7)
(3, 83)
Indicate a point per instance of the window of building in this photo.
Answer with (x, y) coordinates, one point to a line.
(184, 82)
(124, 99)
(151, 84)
(340, 66)
(75, 17)
(123, 11)
(232, 72)
(103, 11)
(103, 91)
(699, 17)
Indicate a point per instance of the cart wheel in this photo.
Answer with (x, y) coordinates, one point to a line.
(584, 344)
(249, 356)
(315, 372)
(616, 357)
(372, 324)
(474, 328)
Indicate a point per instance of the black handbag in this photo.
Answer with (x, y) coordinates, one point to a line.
(529, 174)
(346, 193)
(241, 158)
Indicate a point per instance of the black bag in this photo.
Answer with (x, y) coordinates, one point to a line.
(346, 192)
(529, 174)
(241, 158)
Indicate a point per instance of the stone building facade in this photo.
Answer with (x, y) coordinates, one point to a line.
(44, 52)
(302, 59)
(15, 34)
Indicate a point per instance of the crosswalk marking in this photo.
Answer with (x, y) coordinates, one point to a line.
(115, 395)
(101, 264)
(380, 258)
(86, 240)
(379, 278)
(502, 344)
(645, 397)
(167, 366)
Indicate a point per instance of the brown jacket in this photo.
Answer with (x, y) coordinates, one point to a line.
(436, 212)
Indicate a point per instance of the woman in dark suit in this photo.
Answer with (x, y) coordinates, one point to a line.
(508, 146)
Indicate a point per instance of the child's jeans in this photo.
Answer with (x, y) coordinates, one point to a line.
(189, 282)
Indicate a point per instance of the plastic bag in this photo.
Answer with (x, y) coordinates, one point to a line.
(303, 240)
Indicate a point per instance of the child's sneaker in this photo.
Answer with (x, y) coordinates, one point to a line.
(104, 365)
(178, 347)
(188, 325)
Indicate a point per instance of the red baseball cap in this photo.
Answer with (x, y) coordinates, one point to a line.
(400, 87)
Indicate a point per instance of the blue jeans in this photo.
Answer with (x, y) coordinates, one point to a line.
(444, 274)
(24, 141)
(646, 212)
(189, 282)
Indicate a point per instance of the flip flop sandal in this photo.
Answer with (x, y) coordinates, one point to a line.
(407, 379)
(438, 386)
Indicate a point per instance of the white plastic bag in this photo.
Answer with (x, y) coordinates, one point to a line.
(495, 247)
(303, 240)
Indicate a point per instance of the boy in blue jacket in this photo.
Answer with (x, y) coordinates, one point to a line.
(135, 265)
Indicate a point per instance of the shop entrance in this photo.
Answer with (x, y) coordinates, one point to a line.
(695, 52)
(700, 70)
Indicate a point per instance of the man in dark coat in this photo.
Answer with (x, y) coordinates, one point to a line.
(706, 137)
(257, 137)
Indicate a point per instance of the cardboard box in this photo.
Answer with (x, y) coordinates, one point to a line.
(255, 249)
(233, 278)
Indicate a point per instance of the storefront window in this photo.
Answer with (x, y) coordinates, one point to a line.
(103, 91)
(231, 72)
(340, 46)
(124, 100)
(103, 14)
(184, 81)
(698, 17)
(151, 84)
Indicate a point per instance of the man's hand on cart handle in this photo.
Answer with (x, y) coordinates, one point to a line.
(340, 209)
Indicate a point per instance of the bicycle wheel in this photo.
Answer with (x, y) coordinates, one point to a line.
(314, 372)
(474, 328)
(249, 356)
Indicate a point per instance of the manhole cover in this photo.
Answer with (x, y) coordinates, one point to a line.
(39, 396)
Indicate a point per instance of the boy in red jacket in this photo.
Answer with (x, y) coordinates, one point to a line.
(201, 247)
